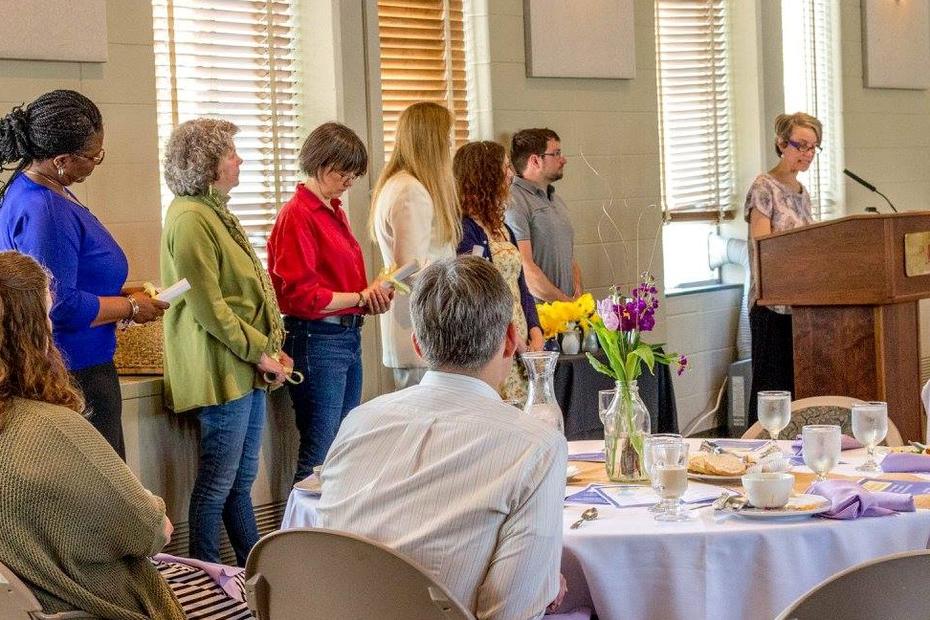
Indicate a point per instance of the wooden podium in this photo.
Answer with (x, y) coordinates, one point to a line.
(853, 285)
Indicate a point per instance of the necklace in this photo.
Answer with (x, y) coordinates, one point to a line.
(61, 189)
(45, 177)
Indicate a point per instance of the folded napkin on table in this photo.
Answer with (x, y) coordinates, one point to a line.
(588, 495)
(739, 444)
(902, 461)
(221, 574)
(846, 443)
(850, 501)
(590, 457)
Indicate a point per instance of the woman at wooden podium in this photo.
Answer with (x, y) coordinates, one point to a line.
(777, 201)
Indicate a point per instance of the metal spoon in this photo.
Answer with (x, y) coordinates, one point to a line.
(588, 515)
(710, 446)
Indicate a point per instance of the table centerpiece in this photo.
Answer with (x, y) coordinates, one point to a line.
(620, 320)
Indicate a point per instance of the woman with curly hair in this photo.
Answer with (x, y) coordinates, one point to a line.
(223, 338)
(482, 177)
(55, 142)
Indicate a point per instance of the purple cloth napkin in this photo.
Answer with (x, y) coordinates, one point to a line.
(848, 500)
(221, 574)
(846, 443)
(902, 461)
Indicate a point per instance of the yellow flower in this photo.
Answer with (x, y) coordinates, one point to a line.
(555, 316)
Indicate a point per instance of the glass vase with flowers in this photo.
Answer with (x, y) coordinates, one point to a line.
(619, 323)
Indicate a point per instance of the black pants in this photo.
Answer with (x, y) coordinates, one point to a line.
(104, 402)
(772, 355)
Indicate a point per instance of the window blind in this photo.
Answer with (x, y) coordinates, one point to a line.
(422, 50)
(695, 112)
(236, 60)
(811, 61)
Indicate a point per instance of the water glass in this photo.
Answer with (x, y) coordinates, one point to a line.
(647, 460)
(774, 411)
(869, 426)
(669, 475)
(820, 444)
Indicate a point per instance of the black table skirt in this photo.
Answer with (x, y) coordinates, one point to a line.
(577, 385)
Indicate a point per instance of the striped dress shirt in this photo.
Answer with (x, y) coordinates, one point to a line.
(464, 484)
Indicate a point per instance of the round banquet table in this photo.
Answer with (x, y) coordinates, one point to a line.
(721, 566)
(627, 565)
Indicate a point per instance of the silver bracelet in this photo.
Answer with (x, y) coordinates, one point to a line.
(134, 310)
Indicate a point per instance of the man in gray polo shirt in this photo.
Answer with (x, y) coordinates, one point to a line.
(540, 219)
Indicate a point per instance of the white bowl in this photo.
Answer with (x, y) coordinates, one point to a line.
(768, 489)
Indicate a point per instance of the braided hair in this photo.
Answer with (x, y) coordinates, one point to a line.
(57, 123)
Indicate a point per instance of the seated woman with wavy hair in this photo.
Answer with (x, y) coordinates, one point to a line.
(75, 524)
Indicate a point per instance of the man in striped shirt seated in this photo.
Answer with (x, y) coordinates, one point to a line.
(447, 473)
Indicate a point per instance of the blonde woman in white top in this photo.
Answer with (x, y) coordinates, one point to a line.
(415, 215)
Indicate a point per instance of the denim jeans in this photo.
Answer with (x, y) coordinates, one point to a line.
(330, 358)
(230, 438)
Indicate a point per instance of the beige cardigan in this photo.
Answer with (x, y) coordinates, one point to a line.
(405, 229)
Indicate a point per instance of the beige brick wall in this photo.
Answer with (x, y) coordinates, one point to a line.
(124, 191)
(613, 122)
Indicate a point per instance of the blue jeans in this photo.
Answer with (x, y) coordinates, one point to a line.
(230, 438)
(330, 358)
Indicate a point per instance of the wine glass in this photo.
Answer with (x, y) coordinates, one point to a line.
(774, 411)
(669, 474)
(821, 446)
(869, 426)
(647, 460)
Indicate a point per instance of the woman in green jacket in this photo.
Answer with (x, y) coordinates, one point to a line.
(222, 337)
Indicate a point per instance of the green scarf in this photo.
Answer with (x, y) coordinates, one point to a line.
(218, 201)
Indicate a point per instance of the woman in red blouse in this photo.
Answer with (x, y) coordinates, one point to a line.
(318, 273)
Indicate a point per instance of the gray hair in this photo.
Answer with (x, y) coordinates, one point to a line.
(335, 146)
(193, 154)
(460, 309)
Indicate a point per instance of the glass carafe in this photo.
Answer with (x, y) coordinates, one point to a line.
(540, 400)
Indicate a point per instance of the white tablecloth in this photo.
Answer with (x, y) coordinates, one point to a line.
(630, 566)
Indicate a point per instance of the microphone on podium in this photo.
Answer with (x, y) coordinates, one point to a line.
(870, 187)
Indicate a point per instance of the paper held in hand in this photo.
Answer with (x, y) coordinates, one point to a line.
(174, 291)
(399, 275)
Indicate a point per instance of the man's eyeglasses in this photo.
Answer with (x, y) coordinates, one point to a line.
(805, 148)
(552, 154)
(97, 159)
(347, 177)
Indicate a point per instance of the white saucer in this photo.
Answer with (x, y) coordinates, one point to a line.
(310, 485)
(823, 505)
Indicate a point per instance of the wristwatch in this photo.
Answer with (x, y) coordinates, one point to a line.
(361, 300)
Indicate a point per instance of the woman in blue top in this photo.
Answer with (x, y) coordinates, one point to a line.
(55, 141)
(482, 178)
